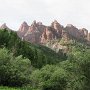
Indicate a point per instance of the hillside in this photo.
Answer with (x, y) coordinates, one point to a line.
(41, 54)
(53, 36)
(31, 66)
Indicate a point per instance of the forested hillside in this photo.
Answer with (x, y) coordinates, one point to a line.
(39, 55)
(35, 67)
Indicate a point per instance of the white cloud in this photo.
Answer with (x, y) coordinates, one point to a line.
(76, 12)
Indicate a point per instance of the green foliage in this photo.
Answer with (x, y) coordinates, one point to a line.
(14, 70)
(8, 88)
(78, 68)
(52, 71)
(72, 74)
(15, 88)
(50, 77)
(39, 55)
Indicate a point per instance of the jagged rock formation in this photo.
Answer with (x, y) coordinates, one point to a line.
(34, 32)
(23, 29)
(41, 34)
(49, 35)
(73, 31)
(4, 26)
(58, 28)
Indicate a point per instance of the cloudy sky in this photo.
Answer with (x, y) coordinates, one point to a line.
(76, 12)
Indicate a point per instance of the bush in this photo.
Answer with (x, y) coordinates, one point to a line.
(50, 77)
(15, 71)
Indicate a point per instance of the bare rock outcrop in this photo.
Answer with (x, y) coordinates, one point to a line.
(41, 34)
(58, 28)
(84, 33)
(4, 26)
(73, 31)
(23, 29)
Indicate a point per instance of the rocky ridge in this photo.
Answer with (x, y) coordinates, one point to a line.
(41, 34)
(51, 36)
(4, 26)
(54, 36)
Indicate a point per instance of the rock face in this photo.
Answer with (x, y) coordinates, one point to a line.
(31, 33)
(65, 35)
(48, 34)
(58, 28)
(88, 36)
(84, 33)
(41, 34)
(4, 26)
(73, 31)
(34, 32)
(23, 29)
(54, 36)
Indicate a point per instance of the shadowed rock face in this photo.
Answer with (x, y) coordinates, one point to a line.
(73, 31)
(48, 34)
(58, 28)
(84, 33)
(88, 36)
(39, 33)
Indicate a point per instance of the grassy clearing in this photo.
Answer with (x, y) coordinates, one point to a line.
(8, 88)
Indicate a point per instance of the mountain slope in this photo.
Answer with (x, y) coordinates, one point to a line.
(50, 71)
(38, 54)
(53, 36)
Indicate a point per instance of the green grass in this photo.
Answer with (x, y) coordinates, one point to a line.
(13, 88)
(8, 88)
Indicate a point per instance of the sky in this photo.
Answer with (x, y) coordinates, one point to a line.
(76, 12)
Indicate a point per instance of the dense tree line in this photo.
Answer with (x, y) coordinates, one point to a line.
(30, 66)
(13, 70)
(72, 74)
(39, 55)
